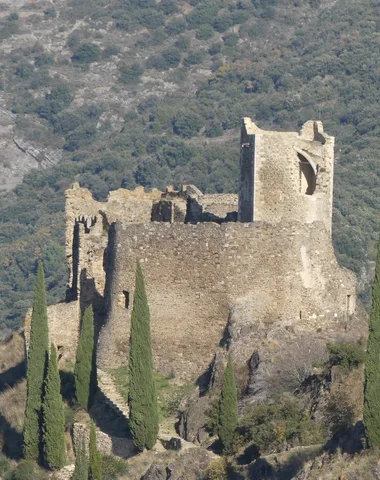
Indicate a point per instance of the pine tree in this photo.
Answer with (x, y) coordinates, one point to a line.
(81, 463)
(85, 366)
(372, 366)
(228, 412)
(37, 364)
(142, 396)
(53, 434)
(95, 469)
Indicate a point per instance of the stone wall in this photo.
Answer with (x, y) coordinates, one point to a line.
(63, 321)
(196, 275)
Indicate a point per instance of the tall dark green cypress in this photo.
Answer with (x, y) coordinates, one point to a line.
(142, 396)
(85, 365)
(372, 366)
(53, 434)
(228, 409)
(36, 370)
(95, 469)
(81, 463)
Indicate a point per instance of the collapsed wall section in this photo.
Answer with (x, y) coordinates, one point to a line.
(195, 275)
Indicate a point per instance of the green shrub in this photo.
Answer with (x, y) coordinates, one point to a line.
(346, 355)
(25, 70)
(187, 124)
(95, 458)
(130, 74)
(50, 12)
(183, 43)
(231, 39)
(123, 21)
(205, 32)
(43, 59)
(215, 48)
(5, 465)
(228, 410)
(110, 51)
(86, 53)
(217, 469)
(204, 13)
(151, 18)
(194, 58)
(222, 23)
(285, 424)
(13, 17)
(26, 470)
(175, 26)
(113, 467)
(213, 416)
(214, 130)
(57, 100)
(172, 57)
(167, 6)
(85, 364)
(339, 414)
(239, 16)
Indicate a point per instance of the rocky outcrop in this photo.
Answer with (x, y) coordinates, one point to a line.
(193, 418)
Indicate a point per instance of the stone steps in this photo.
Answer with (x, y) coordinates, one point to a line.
(107, 386)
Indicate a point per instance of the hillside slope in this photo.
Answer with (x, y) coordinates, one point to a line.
(116, 93)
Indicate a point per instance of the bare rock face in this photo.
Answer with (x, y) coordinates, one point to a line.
(155, 472)
(193, 418)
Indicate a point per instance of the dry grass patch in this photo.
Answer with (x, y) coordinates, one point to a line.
(12, 405)
(12, 352)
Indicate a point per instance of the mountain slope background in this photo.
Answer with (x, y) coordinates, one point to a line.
(116, 93)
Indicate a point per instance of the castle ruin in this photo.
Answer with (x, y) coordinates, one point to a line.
(259, 263)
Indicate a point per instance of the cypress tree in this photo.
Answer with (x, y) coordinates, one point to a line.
(228, 413)
(372, 366)
(37, 363)
(142, 396)
(81, 463)
(95, 469)
(85, 365)
(53, 416)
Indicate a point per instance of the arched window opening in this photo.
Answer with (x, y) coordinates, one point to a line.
(308, 178)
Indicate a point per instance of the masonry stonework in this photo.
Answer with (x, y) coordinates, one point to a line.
(244, 272)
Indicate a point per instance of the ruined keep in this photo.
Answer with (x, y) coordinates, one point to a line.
(250, 271)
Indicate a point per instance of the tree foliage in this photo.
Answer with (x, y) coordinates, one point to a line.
(372, 366)
(85, 365)
(81, 463)
(228, 413)
(36, 370)
(95, 458)
(53, 416)
(142, 397)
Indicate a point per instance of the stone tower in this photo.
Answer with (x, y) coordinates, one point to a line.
(286, 176)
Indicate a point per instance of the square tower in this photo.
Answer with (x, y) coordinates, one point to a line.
(286, 176)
